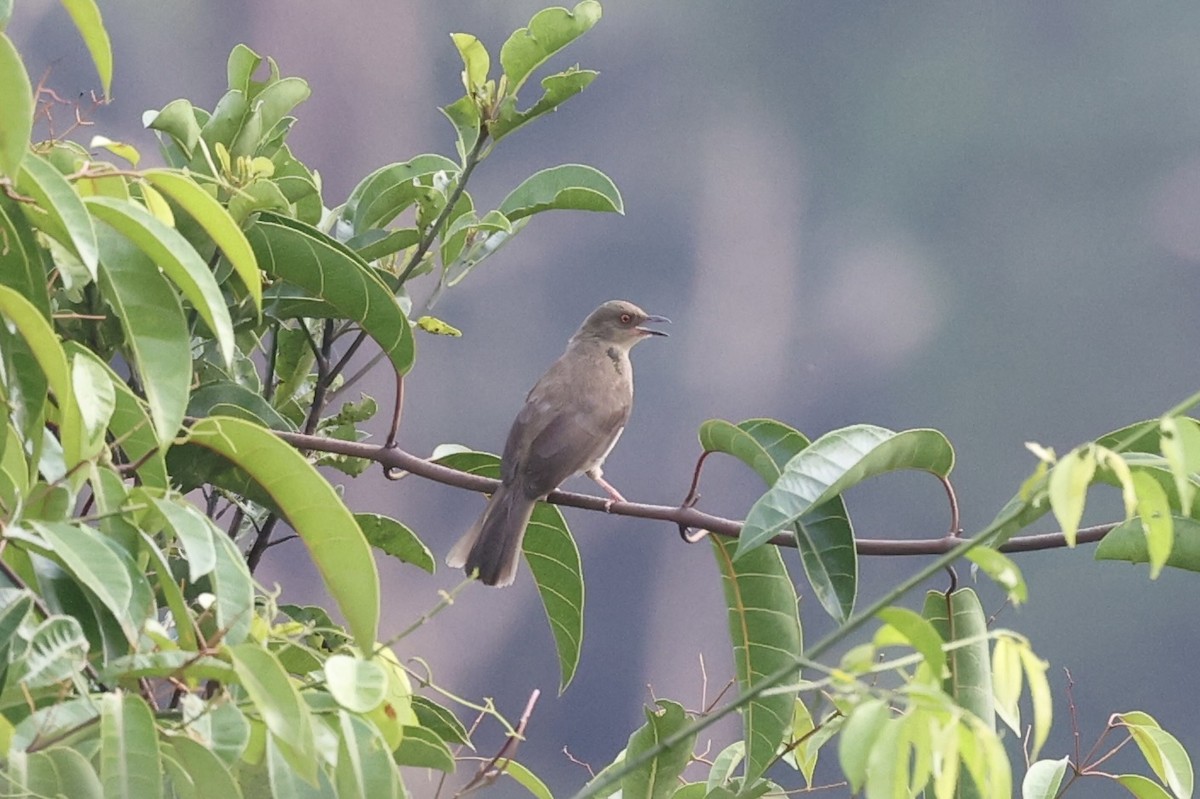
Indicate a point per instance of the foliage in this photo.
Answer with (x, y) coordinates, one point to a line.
(165, 329)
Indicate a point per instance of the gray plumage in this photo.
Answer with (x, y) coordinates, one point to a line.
(571, 420)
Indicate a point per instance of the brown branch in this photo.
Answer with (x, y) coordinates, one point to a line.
(394, 459)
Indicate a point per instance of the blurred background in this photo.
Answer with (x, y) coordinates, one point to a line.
(979, 217)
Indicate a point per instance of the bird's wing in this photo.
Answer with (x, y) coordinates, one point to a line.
(556, 445)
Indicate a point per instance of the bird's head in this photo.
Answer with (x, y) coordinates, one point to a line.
(620, 323)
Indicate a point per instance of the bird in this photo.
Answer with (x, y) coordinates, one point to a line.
(571, 420)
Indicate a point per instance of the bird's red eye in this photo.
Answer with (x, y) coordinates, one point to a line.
(626, 318)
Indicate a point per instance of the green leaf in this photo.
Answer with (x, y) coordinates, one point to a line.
(86, 17)
(278, 703)
(194, 533)
(1069, 481)
(1163, 752)
(961, 622)
(130, 761)
(1039, 696)
(41, 340)
(313, 509)
(920, 635)
(1003, 570)
(172, 594)
(424, 749)
(74, 775)
(95, 399)
(364, 763)
(59, 210)
(21, 266)
(177, 663)
(1143, 787)
(657, 778)
(824, 535)
(574, 187)
(527, 780)
(765, 632)
(553, 559)
(240, 400)
(431, 324)
(357, 685)
(155, 328)
(376, 243)
(1128, 542)
(859, 733)
(332, 272)
(549, 31)
(476, 61)
(381, 196)
(84, 553)
(393, 538)
(556, 90)
(835, 462)
(234, 590)
(1043, 779)
(177, 258)
(1154, 511)
(213, 780)
(464, 115)
(216, 221)
(177, 119)
(16, 98)
(439, 720)
(57, 651)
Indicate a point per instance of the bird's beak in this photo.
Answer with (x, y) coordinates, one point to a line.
(651, 331)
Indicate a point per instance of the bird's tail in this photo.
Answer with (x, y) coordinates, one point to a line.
(493, 544)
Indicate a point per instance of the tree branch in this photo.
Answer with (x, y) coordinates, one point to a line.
(393, 459)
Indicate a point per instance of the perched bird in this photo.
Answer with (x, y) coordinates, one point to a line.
(572, 418)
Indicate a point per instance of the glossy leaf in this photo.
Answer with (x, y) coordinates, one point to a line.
(381, 196)
(824, 535)
(1003, 570)
(960, 620)
(1128, 542)
(21, 266)
(424, 749)
(131, 425)
(156, 332)
(364, 764)
(556, 90)
(1163, 752)
(1039, 697)
(1143, 787)
(1043, 779)
(313, 509)
(1154, 511)
(130, 763)
(57, 650)
(177, 119)
(1069, 481)
(41, 339)
(94, 564)
(86, 16)
(172, 253)
(393, 538)
(553, 558)
(858, 737)
(765, 631)
(529, 781)
(657, 778)
(476, 61)
(74, 775)
(65, 216)
(835, 462)
(357, 685)
(919, 634)
(193, 532)
(172, 594)
(277, 701)
(237, 400)
(16, 98)
(549, 31)
(217, 223)
(234, 590)
(334, 273)
(439, 720)
(212, 778)
(573, 187)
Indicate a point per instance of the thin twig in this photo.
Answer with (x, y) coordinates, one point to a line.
(492, 769)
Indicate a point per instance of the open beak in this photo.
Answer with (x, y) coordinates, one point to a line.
(651, 331)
